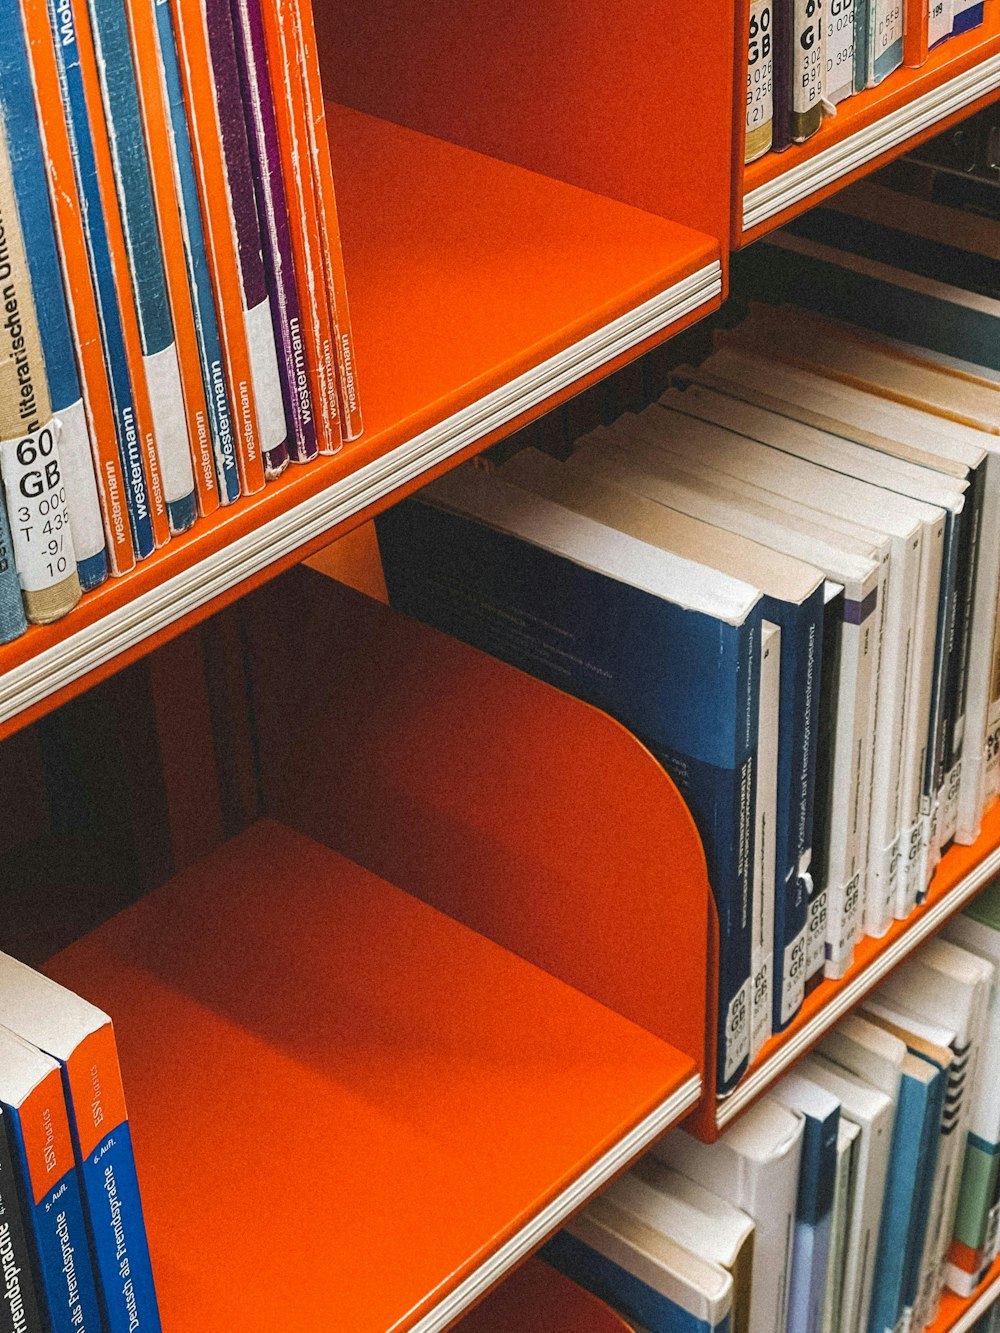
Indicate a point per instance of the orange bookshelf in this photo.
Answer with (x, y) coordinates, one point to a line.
(961, 76)
(536, 1297)
(957, 1315)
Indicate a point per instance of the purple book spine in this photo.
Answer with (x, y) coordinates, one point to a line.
(279, 260)
(236, 147)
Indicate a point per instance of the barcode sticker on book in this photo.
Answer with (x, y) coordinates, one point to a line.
(760, 56)
(807, 60)
(737, 1030)
(888, 26)
(36, 503)
(839, 43)
(816, 939)
(793, 976)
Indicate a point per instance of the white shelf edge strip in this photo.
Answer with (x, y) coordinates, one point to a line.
(89, 648)
(849, 995)
(799, 182)
(545, 1222)
(978, 1308)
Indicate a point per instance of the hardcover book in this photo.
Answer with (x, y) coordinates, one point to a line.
(760, 79)
(19, 1311)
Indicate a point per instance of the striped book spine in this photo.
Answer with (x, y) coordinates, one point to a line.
(213, 370)
(30, 187)
(148, 62)
(123, 119)
(279, 262)
(249, 244)
(198, 78)
(80, 295)
(33, 480)
(125, 380)
(319, 155)
(285, 61)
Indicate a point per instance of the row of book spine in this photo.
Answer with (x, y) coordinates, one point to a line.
(783, 577)
(175, 322)
(74, 1255)
(805, 57)
(847, 1199)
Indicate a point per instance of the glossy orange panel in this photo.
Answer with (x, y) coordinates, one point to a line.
(464, 273)
(537, 1299)
(630, 101)
(528, 815)
(951, 58)
(342, 1101)
(953, 1307)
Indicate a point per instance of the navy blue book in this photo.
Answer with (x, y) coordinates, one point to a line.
(668, 647)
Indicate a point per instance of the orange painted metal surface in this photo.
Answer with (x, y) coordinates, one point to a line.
(953, 57)
(537, 1299)
(342, 1100)
(464, 273)
(531, 817)
(954, 1307)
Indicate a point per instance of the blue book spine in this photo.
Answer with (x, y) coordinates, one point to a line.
(902, 1181)
(945, 645)
(967, 18)
(30, 184)
(655, 1312)
(54, 1213)
(13, 621)
(102, 273)
(149, 284)
(813, 1212)
(199, 275)
(798, 729)
(686, 684)
(925, 1187)
(861, 20)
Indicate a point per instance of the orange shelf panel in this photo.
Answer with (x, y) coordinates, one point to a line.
(537, 1299)
(963, 872)
(869, 129)
(957, 1315)
(482, 294)
(349, 1110)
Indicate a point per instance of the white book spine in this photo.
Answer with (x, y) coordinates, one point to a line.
(762, 957)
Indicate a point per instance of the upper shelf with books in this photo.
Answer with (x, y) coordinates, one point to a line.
(961, 76)
(481, 294)
(419, 970)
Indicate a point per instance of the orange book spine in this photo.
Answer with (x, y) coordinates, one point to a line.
(285, 61)
(80, 299)
(916, 26)
(159, 138)
(326, 198)
(119, 252)
(199, 91)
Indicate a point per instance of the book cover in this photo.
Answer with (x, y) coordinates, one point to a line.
(783, 21)
(843, 1204)
(765, 860)
(286, 59)
(30, 187)
(216, 385)
(147, 29)
(823, 848)
(109, 32)
(108, 261)
(624, 626)
(966, 15)
(648, 1277)
(19, 1311)
(272, 204)
(760, 81)
(755, 1166)
(34, 1108)
(808, 68)
(840, 50)
(814, 1203)
(81, 1039)
(885, 39)
(30, 465)
(257, 300)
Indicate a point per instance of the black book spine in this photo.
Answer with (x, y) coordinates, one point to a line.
(19, 1309)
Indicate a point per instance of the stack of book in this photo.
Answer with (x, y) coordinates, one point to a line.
(175, 325)
(783, 577)
(804, 57)
(851, 1196)
(74, 1255)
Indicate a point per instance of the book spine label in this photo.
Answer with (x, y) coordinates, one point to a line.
(19, 1311)
(98, 1119)
(940, 21)
(30, 186)
(216, 389)
(885, 48)
(36, 499)
(249, 244)
(54, 1210)
(808, 68)
(760, 78)
(276, 232)
(839, 49)
(138, 214)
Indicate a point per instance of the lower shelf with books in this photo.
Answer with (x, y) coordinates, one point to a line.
(481, 294)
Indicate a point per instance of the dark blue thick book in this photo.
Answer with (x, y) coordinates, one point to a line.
(669, 648)
(30, 176)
